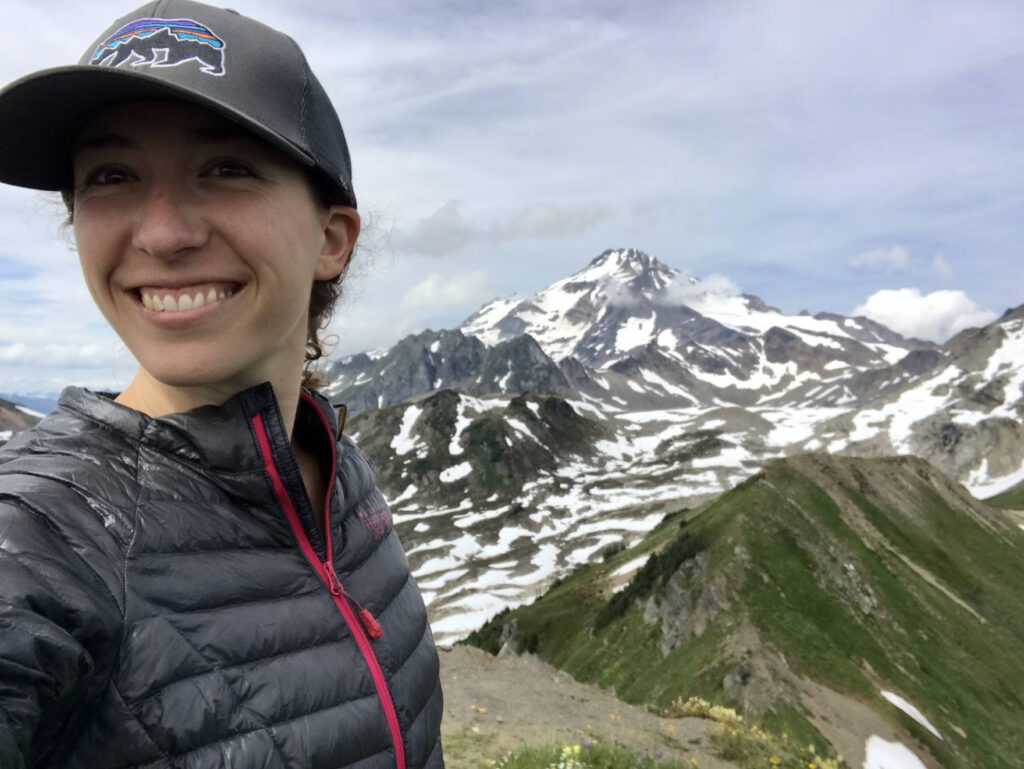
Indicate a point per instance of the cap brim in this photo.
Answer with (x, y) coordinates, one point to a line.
(41, 114)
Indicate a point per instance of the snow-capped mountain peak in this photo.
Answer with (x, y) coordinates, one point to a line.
(565, 317)
(626, 267)
(625, 305)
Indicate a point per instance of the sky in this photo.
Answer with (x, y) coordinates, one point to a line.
(860, 158)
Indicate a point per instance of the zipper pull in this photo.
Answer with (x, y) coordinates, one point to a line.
(332, 579)
(370, 623)
(373, 628)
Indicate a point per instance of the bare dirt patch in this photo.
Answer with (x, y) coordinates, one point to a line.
(497, 704)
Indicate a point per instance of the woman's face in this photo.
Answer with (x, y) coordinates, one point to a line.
(200, 243)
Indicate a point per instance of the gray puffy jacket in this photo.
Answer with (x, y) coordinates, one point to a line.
(166, 599)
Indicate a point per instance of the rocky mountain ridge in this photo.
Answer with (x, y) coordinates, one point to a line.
(493, 508)
(818, 591)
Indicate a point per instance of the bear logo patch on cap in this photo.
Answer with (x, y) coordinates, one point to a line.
(162, 43)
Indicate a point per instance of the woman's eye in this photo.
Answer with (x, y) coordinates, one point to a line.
(231, 169)
(103, 177)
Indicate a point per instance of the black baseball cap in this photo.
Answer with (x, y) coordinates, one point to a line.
(182, 50)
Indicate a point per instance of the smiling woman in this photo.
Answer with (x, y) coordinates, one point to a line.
(199, 570)
(171, 208)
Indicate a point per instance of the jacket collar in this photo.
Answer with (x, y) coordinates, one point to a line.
(217, 437)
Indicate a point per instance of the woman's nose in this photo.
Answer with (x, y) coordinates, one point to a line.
(169, 222)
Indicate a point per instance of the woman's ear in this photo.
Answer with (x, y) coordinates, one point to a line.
(341, 230)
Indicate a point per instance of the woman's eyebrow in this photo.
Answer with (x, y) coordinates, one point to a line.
(203, 134)
(223, 133)
(101, 141)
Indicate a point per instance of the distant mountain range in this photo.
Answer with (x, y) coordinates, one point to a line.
(550, 427)
(629, 332)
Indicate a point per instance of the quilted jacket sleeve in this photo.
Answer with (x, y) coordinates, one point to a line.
(59, 627)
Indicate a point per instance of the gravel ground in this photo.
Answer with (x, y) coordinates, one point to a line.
(497, 704)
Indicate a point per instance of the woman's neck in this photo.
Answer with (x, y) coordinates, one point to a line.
(156, 399)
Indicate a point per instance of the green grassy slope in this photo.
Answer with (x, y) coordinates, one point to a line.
(856, 574)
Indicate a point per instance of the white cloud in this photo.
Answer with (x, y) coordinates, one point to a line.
(685, 289)
(936, 316)
(89, 355)
(943, 268)
(895, 259)
(548, 220)
(438, 291)
(447, 230)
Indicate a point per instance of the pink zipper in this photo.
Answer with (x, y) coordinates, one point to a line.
(361, 626)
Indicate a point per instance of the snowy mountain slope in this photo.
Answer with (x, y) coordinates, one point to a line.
(680, 404)
(965, 414)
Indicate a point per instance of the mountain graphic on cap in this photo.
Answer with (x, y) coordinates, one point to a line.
(162, 43)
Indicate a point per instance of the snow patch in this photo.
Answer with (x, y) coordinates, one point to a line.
(882, 754)
(911, 711)
(461, 423)
(631, 566)
(409, 492)
(635, 332)
(456, 472)
(982, 486)
(403, 441)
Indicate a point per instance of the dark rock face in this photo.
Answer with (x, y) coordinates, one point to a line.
(917, 362)
(418, 364)
(575, 373)
(424, 363)
(516, 366)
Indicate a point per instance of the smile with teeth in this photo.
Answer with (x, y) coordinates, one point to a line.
(176, 300)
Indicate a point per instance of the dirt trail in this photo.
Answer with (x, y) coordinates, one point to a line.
(497, 704)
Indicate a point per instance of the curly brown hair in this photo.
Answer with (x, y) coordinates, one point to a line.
(324, 294)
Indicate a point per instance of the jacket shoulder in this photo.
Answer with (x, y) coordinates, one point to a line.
(75, 478)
